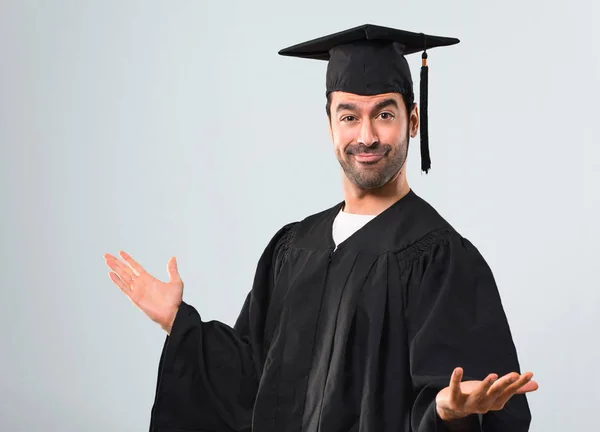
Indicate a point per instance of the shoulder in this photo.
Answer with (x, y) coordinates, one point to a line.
(308, 228)
(277, 249)
(425, 245)
(443, 249)
(432, 233)
(428, 219)
(420, 229)
(282, 238)
(285, 235)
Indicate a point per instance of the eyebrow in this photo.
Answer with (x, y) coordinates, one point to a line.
(380, 105)
(386, 103)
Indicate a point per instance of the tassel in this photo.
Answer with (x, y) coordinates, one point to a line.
(425, 157)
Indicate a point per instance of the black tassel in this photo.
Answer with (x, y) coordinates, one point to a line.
(425, 157)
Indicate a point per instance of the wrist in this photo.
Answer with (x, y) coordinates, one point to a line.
(449, 415)
(458, 422)
(167, 323)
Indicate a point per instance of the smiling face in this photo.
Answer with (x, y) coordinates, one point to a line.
(370, 136)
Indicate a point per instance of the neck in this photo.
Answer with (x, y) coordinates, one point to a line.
(374, 201)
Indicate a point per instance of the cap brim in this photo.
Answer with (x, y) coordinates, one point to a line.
(413, 42)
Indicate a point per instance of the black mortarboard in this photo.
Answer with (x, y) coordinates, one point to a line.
(369, 60)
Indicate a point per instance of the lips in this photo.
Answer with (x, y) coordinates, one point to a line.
(368, 157)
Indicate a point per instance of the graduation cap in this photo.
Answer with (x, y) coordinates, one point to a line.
(369, 60)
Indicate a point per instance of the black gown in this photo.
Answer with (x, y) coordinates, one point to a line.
(360, 339)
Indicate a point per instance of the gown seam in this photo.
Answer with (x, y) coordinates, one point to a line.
(417, 249)
(313, 349)
(287, 241)
(333, 344)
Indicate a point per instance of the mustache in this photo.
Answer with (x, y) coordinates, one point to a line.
(374, 149)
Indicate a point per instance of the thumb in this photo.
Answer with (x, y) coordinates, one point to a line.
(173, 271)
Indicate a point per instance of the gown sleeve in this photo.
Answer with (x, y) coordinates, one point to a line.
(208, 371)
(455, 317)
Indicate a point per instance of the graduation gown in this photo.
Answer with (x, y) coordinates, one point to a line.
(355, 339)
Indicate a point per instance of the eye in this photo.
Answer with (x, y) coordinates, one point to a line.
(386, 116)
(348, 118)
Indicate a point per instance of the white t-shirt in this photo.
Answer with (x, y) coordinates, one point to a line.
(346, 224)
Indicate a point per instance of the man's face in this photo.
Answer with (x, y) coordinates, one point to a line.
(370, 136)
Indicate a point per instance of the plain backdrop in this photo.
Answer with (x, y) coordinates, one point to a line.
(173, 128)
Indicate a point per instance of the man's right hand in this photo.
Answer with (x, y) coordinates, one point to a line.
(158, 300)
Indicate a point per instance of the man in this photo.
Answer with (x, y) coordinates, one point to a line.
(373, 315)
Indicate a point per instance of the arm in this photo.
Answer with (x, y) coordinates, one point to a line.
(209, 372)
(454, 318)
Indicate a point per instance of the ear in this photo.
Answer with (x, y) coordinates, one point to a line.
(414, 121)
(329, 128)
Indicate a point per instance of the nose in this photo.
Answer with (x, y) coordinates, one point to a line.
(367, 134)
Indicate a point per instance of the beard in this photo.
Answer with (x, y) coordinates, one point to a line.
(373, 175)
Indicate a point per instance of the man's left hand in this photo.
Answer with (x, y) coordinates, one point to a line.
(461, 399)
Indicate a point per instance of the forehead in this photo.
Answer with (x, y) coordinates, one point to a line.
(338, 97)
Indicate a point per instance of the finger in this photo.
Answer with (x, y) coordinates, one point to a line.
(124, 288)
(523, 380)
(531, 386)
(503, 398)
(173, 271)
(138, 270)
(502, 384)
(122, 271)
(455, 391)
(479, 395)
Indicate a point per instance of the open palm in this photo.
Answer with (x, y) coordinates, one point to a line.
(157, 299)
(463, 398)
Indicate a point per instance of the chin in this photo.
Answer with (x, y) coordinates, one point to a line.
(369, 187)
(367, 182)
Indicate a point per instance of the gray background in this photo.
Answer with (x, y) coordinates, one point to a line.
(174, 128)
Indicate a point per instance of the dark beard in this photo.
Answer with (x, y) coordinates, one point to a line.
(366, 177)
